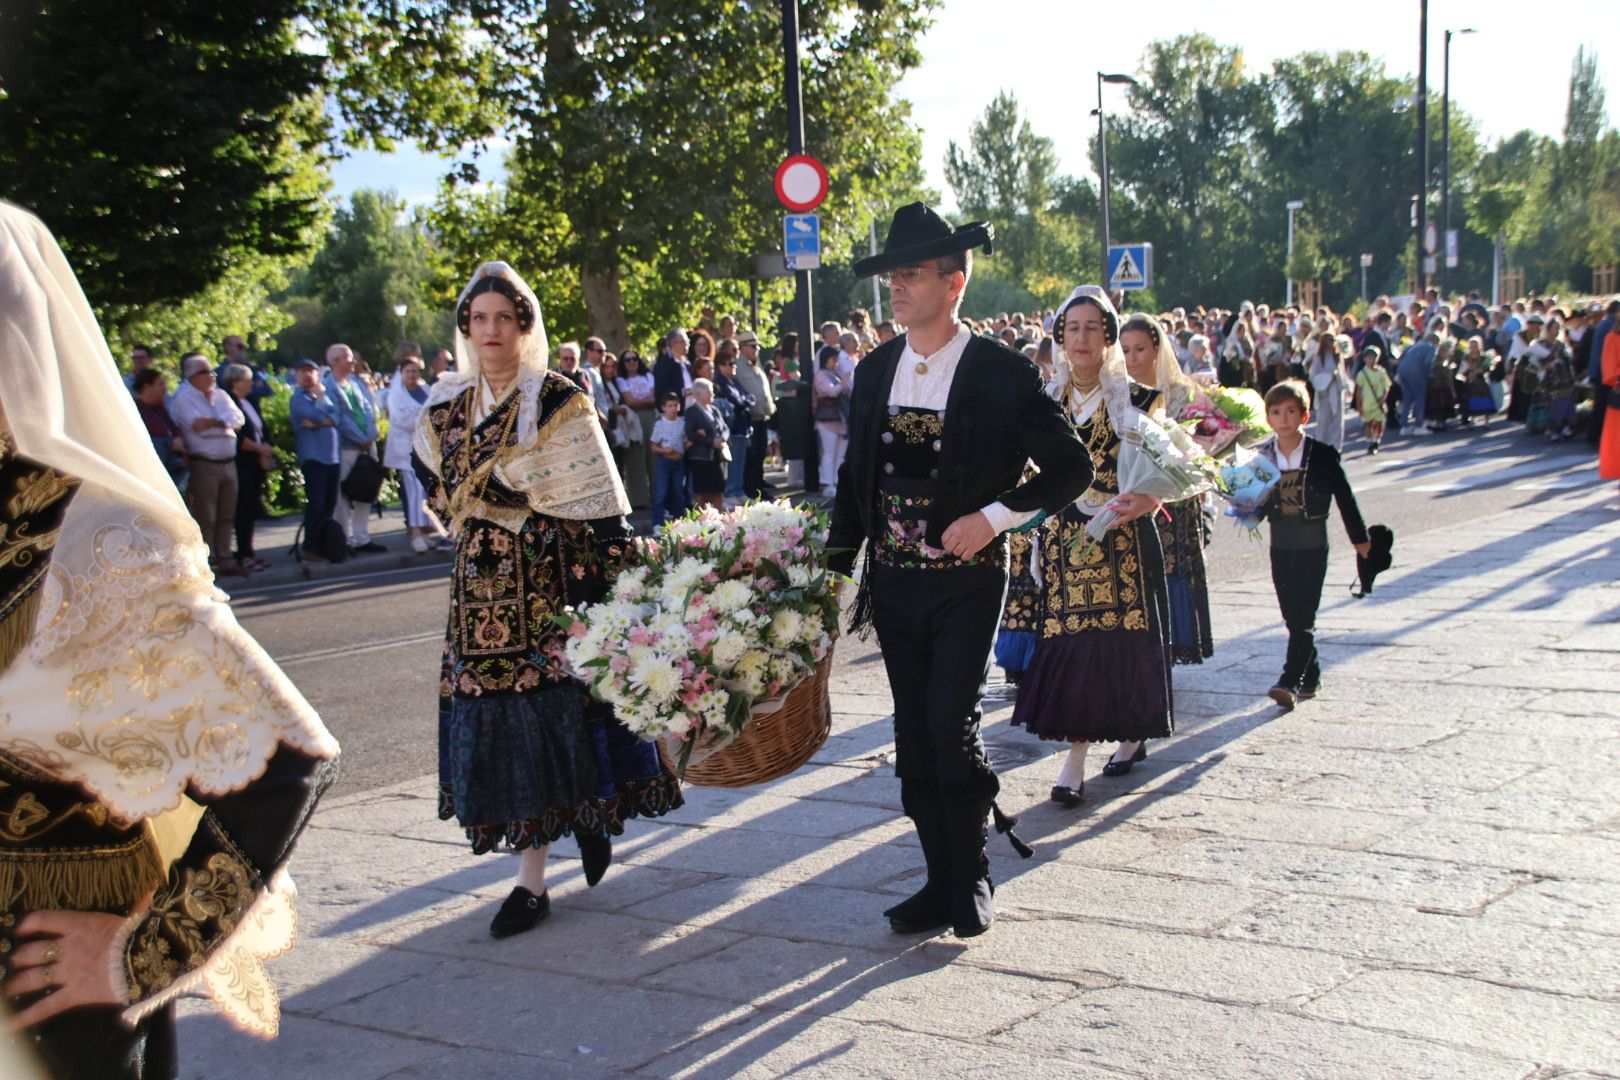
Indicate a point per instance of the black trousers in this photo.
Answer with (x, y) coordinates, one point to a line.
(92, 1043)
(754, 465)
(936, 629)
(1297, 575)
(1600, 408)
(249, 502)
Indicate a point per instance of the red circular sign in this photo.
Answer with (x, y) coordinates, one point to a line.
(801, 183)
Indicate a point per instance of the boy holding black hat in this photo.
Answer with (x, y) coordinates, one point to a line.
(1312, 478)
(941, 425)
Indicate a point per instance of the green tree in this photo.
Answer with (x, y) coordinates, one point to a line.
(1189, 162)
(653, 129)
(378, 254)
(165, 143)
(1009, 175)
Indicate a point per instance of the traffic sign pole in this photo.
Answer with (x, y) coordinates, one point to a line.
(804, 308)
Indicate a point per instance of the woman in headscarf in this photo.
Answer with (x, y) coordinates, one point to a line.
(407, 396)
(155, 764)
(1150, 360)
(1101, 669)
(1325, 371)
(516, 459)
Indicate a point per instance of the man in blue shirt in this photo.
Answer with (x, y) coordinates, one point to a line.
(357, 431)
(315, 440)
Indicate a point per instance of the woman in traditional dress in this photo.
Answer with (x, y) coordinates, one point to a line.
(155, 765)
(517, 461)
(1325, 372)
(1101, 670)
(1183, 532)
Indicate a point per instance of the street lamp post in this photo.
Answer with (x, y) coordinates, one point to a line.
(1366, 261)
(1102, 159)
(1423, 140)
(1445, 164)
(400, 310)
(1294, 206)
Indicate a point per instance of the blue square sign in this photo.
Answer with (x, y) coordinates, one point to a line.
(1130, 266)
(801, 241)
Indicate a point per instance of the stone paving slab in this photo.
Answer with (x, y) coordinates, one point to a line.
(1412, 876)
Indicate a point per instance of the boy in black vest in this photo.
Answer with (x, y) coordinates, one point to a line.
(1312, 478)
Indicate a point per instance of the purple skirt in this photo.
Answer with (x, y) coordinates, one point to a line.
(1100, 686)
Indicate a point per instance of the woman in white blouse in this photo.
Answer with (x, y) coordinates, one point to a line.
(407, 394)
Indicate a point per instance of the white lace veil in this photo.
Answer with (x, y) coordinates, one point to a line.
(60, 389)
(536, 351)
(137, 680)
(1168, 378)
(1116, 383)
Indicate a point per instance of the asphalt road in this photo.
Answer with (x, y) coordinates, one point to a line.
(365, 650)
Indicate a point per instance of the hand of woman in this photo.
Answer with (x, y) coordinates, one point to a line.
(1132, 506)
(72, 960)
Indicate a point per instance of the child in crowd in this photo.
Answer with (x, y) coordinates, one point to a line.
(1372, 393)
(1312, 478)
(1558, 386)
(669, 471)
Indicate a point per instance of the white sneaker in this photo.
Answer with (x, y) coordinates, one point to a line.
(419, 545)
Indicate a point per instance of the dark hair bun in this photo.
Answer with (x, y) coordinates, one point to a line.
(525, 310)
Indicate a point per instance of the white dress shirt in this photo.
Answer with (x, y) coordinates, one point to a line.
(215, 444)
(1295, 460)
(931, 389)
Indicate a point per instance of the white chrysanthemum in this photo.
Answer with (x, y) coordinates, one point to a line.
(785, 624)
(731, 595)
(728, 649)
(799, 575)
(657, 677)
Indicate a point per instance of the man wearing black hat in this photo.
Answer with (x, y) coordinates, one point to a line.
(942, 423)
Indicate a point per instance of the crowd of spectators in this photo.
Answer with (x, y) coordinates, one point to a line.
(695, 425)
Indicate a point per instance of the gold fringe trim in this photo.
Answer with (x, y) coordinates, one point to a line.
(87, 879)
(17, 628)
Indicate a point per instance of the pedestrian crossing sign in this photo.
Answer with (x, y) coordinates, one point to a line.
(1130, 266)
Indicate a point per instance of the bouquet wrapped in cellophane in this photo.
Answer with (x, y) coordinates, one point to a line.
(1246, 483)
(1157, 458)
(1209, 425)
(1243, 408)
(720, 616)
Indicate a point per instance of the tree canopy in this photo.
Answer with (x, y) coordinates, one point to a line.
(164, 142)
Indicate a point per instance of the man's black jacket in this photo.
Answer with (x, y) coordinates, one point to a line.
(997, 418)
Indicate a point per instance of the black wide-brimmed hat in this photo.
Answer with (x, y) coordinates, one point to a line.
(918, 233)
(1381, 538)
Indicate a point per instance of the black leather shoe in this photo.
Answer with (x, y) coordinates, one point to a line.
(1120, 768)
(1069, 796)
(521, 911)
(370, 547)
(595, 853)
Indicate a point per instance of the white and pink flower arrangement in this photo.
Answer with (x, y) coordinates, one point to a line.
(722, 614)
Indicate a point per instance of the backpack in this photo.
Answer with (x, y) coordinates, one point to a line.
(365, 480)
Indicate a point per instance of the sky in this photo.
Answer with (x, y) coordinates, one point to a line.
(1513, 74)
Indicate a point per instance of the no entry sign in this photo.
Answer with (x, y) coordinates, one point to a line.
(801, 183)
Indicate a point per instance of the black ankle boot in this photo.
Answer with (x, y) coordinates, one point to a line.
(929, 908)
(972, 909)
(595, 853)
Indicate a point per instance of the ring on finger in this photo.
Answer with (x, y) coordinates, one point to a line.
(47, 975)
(53, 952)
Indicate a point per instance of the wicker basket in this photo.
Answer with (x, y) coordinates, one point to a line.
(773, 744)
